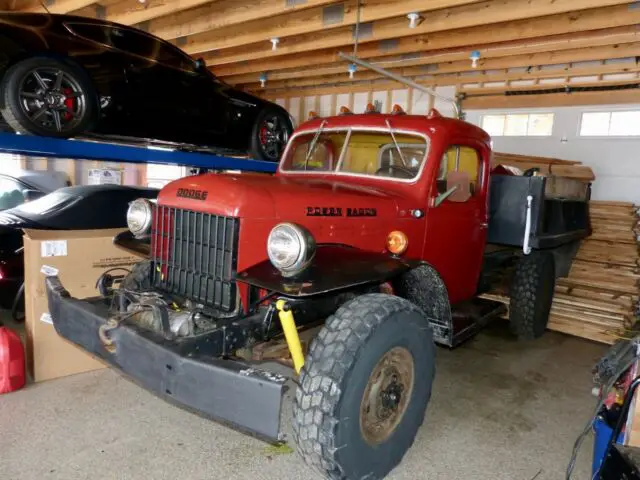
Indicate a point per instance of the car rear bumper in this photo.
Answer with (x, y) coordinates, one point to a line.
(226, 390)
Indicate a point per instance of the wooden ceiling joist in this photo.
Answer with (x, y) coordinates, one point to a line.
(55, 6)
(459, 78)
(478, 15)
(513, 54)
(542, 30)
(342, 14)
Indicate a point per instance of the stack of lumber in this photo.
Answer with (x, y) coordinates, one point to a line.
(598, 300)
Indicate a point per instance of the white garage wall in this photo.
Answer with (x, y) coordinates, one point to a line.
(614, 160)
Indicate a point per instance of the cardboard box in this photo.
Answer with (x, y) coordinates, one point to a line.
(79, 258)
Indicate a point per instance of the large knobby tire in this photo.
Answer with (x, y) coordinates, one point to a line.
(375, 352)
(37, 105)
(270, 134)
(531, 295)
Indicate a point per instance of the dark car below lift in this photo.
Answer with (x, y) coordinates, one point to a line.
(64, 76)
(71, 208)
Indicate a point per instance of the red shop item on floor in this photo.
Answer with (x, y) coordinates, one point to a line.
(12, 371)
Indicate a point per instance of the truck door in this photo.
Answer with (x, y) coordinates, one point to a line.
(457, 219)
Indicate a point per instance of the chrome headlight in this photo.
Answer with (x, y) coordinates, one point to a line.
(290, 248)
(139, 216)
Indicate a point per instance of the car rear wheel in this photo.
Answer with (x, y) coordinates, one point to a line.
(270, 135)
(48, 97)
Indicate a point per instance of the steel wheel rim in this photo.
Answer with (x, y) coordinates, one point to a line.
(273, 135)
(387, 395)
(52, 99)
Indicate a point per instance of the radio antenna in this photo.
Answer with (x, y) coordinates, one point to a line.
(45, 6)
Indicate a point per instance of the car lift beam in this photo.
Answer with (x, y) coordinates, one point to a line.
(32, 146)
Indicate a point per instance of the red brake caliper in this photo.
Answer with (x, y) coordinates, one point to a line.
(263, 135)
(69, 103)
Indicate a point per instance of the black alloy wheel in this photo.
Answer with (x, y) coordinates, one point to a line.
(47, 97)
(270, 136)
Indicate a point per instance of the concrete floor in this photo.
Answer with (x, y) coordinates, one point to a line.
(500, 410)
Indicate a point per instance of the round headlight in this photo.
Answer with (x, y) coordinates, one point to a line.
(139, 216)
(290, 248)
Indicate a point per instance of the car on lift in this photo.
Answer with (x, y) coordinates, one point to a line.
(66, 208)
(17, 187)
(64, 76)
(369, 243)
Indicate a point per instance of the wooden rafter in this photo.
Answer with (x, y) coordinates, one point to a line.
(460, 78)
(313, 20)
(58, 6)
(534, 30)
(553, 50)
(478, 15)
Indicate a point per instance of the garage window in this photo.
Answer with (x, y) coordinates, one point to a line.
(610, 124)
(518, 125)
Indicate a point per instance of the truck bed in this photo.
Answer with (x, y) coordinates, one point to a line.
(555, 220)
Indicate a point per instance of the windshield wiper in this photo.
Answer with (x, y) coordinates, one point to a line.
(404, 163)
(312, 145)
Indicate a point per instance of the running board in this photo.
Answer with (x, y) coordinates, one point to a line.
(470, 316)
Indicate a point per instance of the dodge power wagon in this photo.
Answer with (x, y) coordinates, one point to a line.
(369, 245)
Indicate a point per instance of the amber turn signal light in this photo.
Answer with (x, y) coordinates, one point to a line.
(397, 242)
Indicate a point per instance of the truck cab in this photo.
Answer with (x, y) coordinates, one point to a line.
(369, 244)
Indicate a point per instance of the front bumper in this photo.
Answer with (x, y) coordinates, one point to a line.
(226, 390)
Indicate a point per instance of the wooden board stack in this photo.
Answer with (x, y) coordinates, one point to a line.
(599, 298)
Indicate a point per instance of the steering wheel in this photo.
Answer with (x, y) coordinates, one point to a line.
(410, 173)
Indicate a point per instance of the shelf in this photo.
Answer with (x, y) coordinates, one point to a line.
(33, 146)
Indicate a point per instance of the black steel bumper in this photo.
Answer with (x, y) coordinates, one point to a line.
(226, 390)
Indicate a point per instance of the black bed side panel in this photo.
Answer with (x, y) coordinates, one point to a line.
(554, 221)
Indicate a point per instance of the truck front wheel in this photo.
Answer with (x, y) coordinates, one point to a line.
(531, 295)
(364, 389)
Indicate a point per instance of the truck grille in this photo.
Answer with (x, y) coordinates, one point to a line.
(195, 256)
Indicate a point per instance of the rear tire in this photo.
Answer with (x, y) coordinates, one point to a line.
(270, 134)
(364, 388)
(531, 294)
(41, 107)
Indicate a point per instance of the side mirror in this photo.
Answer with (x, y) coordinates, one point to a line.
(31, 195)
(458, 188)
(200, 65)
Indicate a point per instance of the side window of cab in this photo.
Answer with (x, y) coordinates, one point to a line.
(458, 175)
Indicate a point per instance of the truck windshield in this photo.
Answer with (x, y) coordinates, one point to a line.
(371, 153)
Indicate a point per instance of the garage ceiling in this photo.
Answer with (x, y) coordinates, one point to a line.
(522, 43)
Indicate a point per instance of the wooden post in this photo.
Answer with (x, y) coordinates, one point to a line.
(334, 104)
(409, 101)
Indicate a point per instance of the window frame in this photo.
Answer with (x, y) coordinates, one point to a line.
(336, 172)
(608, 136)
(528, 114)
(479, 179)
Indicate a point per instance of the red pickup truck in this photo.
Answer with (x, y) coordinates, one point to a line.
(370, 243)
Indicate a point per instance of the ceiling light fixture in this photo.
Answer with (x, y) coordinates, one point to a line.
(414, 18)
(263, 79)
(352, 68)
(274, 43)
(474, 57)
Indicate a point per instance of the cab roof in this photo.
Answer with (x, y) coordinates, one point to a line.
(433, 123)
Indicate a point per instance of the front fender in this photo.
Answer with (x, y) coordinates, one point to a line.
(334, 267)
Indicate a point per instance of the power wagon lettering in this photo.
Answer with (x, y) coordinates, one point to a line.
(193, 194)
(338, 212)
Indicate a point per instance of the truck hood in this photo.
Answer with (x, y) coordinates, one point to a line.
(256, 196)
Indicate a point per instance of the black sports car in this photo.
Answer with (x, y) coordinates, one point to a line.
(69, 208)
(63, 76)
